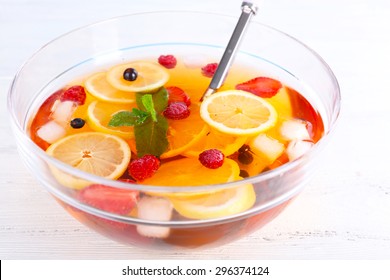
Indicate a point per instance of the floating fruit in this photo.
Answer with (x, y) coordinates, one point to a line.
(97, 153)
(151, 76)
(236, 112)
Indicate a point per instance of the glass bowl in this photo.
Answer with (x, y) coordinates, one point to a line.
(121, 39)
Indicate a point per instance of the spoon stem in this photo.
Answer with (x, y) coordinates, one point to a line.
(248, 10)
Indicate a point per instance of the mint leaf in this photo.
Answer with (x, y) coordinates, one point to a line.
(160, 100)
(127, 118)
(151, 137)
(147, 101)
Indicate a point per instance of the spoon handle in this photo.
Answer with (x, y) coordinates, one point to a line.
(249, 8)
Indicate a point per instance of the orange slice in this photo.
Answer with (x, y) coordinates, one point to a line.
(100, 113)
(98, 86)
(282, 104)
(227, 144)
(97, 153)
(237, 112)
(184, 133)
(190, 172)
(150, 77)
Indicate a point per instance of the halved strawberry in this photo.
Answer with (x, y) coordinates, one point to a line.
(176, 94)
(261, 86)
(118, 201)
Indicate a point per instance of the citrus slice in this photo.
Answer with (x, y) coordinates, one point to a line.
(190, 172)
(97, 153)
(98, 86)
(184, 133)
(100, 113)
(237, 112)
(150, 76)
(219, 204)
(227, 144)
(281, 102)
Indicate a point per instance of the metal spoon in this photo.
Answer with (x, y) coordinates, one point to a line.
(249, 8)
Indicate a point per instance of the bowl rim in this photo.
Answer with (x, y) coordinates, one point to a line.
(169, 189)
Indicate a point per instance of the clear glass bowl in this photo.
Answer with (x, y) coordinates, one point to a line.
(117, 40)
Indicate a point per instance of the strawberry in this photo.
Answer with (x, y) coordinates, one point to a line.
(261, 86)
(168, 61)
(176, 94)
(75, 93)
(118, 201)
(209, 70)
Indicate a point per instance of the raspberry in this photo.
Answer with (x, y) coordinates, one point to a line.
(177, 111)
(168, 61)
(209, 69)
(75, 94)
(176, 94)
(128, 180)
(144, 167)
(211, 158)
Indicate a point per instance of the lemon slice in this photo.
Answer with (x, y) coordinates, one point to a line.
(100, 113)
(227, 144)
(150, 76)
(97, 153)
(98, 86)
(219, 204)
(237, 112)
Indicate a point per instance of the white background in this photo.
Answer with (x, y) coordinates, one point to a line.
(344, 213)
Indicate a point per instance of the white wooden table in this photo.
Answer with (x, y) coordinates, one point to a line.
(344, 213)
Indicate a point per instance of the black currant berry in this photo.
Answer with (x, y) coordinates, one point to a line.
(130, 74)
(77, 123)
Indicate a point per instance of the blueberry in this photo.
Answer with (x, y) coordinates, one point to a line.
(77, 123)
(245, 157)
(130, 74)
(244, 173)
(244, 148)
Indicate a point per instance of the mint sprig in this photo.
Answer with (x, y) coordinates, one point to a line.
(147, 102)
(127, 118)
(151, 137)
(150, 126)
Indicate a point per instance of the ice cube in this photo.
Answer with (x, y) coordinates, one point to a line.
(294, 129)
(298, 148)
(265, 146)
(62, 111)
(51, 132)
(157, 209)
